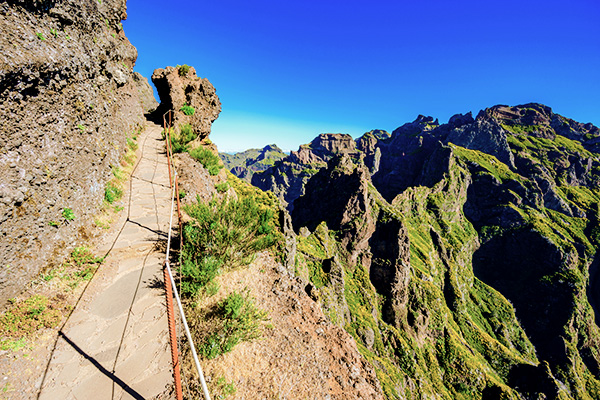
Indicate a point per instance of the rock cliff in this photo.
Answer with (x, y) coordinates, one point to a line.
(465, 263)
(69, 100)
(288, 177)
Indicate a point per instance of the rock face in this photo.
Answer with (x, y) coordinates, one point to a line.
(178, 87)
(464, 254)
(245, 164)
(145, 93)
(68, 100)
(287, 177)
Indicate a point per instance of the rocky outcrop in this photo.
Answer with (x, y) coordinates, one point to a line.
(145, 93)
(368, 145)
(323, 147)
(287, 177)
(68, 101)
(194, 100)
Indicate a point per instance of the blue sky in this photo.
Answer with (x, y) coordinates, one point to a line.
(286, 71)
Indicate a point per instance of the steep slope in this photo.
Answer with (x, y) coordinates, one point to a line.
(300, 354)
(246, 163)
(68, 104)
(472, 273)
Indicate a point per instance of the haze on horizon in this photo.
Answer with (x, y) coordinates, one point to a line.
(287, 71)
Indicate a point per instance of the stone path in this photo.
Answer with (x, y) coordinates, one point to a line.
(115, 345)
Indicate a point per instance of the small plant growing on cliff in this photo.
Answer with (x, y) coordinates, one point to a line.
(54, 32)
(222, 187)
(180, 141)
(132, 144)
(40, 36)
(208, 159)
(237, 319)
(68, 214)
(188, 110)
(112, 193)
(183, 69)
(81, 128)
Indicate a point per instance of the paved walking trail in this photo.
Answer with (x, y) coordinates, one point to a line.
(115, 345)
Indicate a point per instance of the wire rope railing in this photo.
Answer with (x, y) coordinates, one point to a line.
(170, 286)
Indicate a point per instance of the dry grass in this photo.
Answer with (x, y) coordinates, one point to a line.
(302, 356)
(121, 175)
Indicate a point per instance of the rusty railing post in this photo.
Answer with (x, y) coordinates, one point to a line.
(172, 334)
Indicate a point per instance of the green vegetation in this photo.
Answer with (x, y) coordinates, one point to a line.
(223, 235)
(81, 128)
(490, 163)
(222, 187)
(552, 155)
(132, 144)
(522, 129)
(236, 319)
(445, 334)
(180, 141)
(68, 214)
(40, 36)
(80, 267)
(244, 190)
(188, 110)
(208, 159)
(54, 32)
(114, 189)
(222, 389)
(112, 193)
(24, 318)
(183, 69)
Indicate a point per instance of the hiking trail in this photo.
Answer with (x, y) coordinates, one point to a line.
(116, 343)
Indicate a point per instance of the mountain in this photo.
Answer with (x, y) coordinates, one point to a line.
(288, 176)
(246, 163)
(464, 261)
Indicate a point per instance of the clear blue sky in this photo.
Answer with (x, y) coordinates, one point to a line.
(286, 71)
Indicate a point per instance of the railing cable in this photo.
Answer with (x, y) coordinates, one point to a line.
(173, 179)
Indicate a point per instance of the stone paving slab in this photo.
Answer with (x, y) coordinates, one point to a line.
(115, 345)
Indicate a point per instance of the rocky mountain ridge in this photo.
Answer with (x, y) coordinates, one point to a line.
(245, 164)
(288, 176)
(465, 265)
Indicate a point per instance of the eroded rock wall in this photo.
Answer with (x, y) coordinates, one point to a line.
(67, 104)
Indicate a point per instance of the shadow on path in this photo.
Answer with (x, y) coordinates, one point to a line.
(157, 232)
(106, 372)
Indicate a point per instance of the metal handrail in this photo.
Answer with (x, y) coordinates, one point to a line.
(175, 195)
